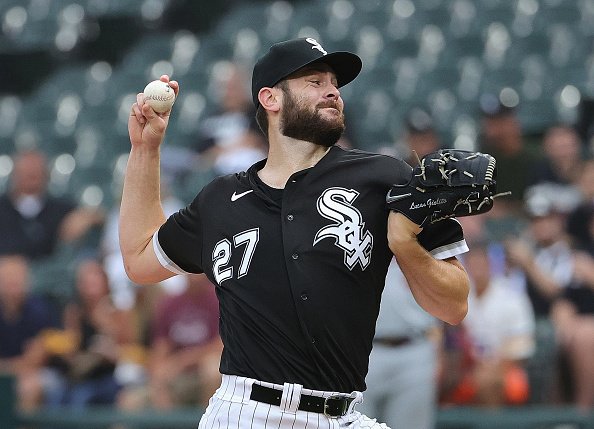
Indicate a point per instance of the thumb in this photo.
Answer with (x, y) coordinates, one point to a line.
(156, 123)
(149, 113)
(155, 118)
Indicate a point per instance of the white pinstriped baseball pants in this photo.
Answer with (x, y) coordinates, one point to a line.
(231, 407)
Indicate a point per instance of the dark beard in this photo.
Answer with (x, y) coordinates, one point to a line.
(300, 123)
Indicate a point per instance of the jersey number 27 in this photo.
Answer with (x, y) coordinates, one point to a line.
(221, 254)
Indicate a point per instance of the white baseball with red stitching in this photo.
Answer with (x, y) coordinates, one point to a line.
(159, 95)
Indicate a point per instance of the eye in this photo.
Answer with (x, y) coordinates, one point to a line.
(316, 82)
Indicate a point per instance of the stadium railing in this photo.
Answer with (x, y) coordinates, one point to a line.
(528, 417)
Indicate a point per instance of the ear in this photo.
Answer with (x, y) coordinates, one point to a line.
(270, 98)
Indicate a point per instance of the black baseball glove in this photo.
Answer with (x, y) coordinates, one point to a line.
(445, 184)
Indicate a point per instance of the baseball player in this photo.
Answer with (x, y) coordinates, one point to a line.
(297, 246)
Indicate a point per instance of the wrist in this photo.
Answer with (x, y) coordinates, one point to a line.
(401, 229)
(146, 150)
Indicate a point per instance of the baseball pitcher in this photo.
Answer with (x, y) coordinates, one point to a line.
(298, 245)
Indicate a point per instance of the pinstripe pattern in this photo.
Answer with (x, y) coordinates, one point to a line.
(231, 407)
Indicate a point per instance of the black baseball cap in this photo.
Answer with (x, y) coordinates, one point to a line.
(286, 57)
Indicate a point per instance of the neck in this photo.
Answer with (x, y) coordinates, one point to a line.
(287, 156)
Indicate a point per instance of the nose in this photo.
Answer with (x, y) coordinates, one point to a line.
(332, 92)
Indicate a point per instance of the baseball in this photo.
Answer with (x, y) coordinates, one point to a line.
(159, 95)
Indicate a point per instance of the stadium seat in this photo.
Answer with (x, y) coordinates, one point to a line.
(418, 51)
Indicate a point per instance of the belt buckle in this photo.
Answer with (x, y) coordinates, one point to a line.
(344, 409)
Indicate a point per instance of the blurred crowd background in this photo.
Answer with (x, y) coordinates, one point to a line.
(514, 78)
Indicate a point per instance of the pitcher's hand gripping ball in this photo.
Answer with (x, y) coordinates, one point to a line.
(445, 184)
(159, 95)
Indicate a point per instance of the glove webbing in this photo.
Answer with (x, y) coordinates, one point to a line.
(445, 174)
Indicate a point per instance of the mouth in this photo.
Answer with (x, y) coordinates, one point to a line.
(335, 108)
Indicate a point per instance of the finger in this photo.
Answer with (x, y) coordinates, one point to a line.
(141, 103)
(172, 83)
(148, 112)
(175, 86)
(140, 99)
(137, 113)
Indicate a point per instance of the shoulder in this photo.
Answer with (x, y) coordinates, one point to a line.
(63, 204)
(395, 168)
(223, 185)
(357, 154)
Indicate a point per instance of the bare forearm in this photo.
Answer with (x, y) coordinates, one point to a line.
(439, 286)
(542, 281)
(78, 222)
(141, 213)
(520, 253)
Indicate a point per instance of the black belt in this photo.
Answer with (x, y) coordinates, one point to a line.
(393, 341)
(332, 406)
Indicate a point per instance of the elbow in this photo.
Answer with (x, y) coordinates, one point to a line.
(459, 307)
(132, 274)
(142, 271)
(457, 314)
(135, 274)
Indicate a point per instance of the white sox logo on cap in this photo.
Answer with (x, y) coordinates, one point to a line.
(316, 45)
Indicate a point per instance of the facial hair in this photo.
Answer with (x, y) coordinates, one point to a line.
(302, 123)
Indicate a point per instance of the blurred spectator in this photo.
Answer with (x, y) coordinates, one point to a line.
(573, 314)
(563, 160)
(580, 221)
(401, 382)
(88, 368)
(545, 258)
(419, 136)
(455, 361)
(24, 319)
(497, 340)
(186, 348)
(501, 136)
(32, 222)
(402, 378)
(230, 140)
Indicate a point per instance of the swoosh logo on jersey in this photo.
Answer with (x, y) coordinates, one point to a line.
(393, 198)
(235, 196)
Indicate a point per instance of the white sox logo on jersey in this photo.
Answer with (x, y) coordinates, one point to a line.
(336, 204)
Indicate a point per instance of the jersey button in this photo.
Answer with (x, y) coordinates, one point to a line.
(304, 297)
(313, 340)
(290, 217)
(295, 256)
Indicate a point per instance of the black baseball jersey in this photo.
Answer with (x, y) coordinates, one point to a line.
(299, 283)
